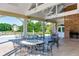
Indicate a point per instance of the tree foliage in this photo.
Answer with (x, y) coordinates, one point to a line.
(20, 28)
(5, 27)
(37, 27)
(48, 28)
(30, 26)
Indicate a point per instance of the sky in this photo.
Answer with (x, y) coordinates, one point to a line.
(10, 20)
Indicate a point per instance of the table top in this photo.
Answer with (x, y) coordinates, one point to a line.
(31, 42)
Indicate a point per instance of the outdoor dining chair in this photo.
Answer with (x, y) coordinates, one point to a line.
(22, 49)
(39, 47)
(55, 39)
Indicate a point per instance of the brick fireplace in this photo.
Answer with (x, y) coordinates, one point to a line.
(71, 24)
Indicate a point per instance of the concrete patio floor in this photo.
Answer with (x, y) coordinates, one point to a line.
(5, 48)
(66, 48)
(69, 48)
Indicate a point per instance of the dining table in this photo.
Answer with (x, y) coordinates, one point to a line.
(31, 43)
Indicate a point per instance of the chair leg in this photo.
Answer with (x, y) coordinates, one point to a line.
(57, 44)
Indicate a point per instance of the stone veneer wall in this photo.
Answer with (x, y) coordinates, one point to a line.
(71, 23)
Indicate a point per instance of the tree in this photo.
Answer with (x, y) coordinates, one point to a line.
(48, 28)
(30, 26)
(37, 27)
(5, 27)
(20, 28)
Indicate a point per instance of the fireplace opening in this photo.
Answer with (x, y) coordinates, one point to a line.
(74, 35)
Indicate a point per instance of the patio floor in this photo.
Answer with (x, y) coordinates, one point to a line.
(66, 48)
(69, 48)
(5, 48)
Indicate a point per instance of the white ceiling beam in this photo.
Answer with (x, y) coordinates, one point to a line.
(63, 14)
(40, 8)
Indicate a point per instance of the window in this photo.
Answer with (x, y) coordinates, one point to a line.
(59, 29)
(62, 29)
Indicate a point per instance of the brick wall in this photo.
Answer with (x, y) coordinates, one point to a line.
(71, 24)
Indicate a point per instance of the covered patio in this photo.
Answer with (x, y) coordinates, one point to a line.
(45, 12)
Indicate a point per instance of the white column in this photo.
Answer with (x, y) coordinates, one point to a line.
(25, 27)
(56, 10)
(54, 28)
(43, 30)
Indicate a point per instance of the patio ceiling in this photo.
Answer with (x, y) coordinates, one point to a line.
(24, 9)
(37, 11)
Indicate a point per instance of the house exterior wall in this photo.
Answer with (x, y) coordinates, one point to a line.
(60, 25)
(71, 23)
(60, 20)
(55, 26)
